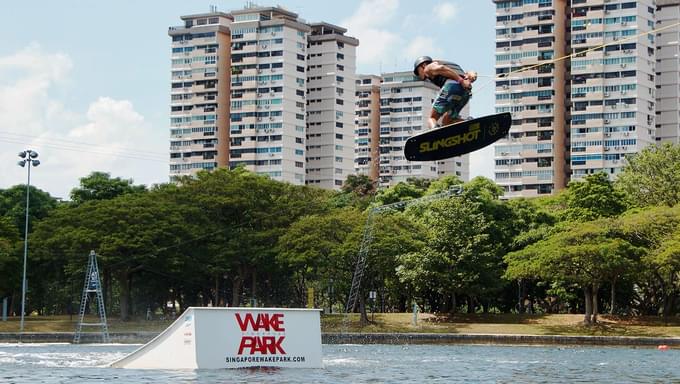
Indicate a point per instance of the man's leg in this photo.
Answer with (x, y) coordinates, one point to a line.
(448, 120)
(432, 120)
(441, 105)
(452, 116)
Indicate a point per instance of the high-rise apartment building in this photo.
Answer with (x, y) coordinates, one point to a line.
(533, 159)
(403, 100)
(200, 93)
(331, 77)
(269, 74)
(367, 135)
(612, 89)
(241, 92)
(578, 115)
(668, 71)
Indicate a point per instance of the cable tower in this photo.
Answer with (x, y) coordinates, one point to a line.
(92, 287)
(368, 239)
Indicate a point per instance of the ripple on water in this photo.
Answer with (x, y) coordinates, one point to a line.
(359, 363)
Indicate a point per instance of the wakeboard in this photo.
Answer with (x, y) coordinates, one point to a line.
(457, 139)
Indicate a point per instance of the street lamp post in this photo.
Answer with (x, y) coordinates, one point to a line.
(29, 158)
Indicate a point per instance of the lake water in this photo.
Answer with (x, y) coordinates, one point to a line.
(65, 363)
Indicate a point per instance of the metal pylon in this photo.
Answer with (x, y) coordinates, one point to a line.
(367, 239)
(92, 285)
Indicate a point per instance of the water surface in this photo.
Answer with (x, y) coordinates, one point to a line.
(65, 363)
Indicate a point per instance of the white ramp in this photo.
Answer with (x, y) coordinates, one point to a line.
(233, 338)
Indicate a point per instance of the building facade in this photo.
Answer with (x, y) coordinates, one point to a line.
(532, 161)
(581, 114)
(200, 93)
(331, 87)
(240, 96)
(382, 129)
(668, 71)
(612, 89)
(367, 134)
(269, 73)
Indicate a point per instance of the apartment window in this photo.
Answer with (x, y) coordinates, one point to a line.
(300, 69)
(299, 164)
(298, 140)
(340, 56)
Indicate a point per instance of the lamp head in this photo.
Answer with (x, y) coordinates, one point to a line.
(21, 163)
(33, 154)
(22, 154)
(35, 162)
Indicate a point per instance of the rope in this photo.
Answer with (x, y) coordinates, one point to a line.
(572, 55)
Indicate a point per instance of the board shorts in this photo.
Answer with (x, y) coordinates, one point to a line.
(452, 98)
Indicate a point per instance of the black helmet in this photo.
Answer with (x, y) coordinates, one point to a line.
(419, 61)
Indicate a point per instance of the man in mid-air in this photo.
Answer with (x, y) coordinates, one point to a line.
(455, 89)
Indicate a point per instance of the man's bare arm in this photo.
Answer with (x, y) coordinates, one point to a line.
(434, 69)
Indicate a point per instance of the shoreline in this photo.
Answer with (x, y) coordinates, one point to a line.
(376, 338)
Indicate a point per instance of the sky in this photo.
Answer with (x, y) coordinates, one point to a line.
(86, 83)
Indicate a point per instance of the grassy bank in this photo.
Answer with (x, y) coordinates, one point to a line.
(402, 322)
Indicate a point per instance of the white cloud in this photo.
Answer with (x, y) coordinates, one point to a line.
(371, 24)
(445, 12)
(422, 45)
(110, 136)
(25, 78)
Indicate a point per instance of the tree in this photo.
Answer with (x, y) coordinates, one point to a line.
(9, 261)
(656, 231)
(458, 257)
(394, 234)
(587, 254)
(400, 192)
(312, 248)
(13, 206)
(529, 223)
(361, 185)
(593, 198)
(247, 213)
(131, 233)
(100, 186)
(652, 176)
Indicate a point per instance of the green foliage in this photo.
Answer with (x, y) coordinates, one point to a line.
(361, 185)
(400, 192)
(9, 255)
(459, 255)
(655, 230)
(315, 247)
(442, 184)
(13, 205)
(652, 176)
(100, 186)
(584, 253)
(593, 198)
(229, 236)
